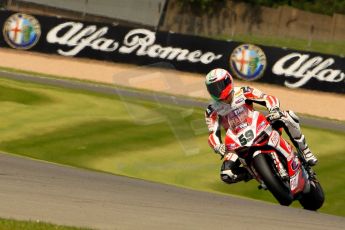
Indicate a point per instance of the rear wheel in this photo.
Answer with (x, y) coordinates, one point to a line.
(273, 182)
(315, 198)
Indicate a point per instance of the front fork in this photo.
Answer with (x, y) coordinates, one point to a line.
(279, 166)
(281, 170)
(251, 170)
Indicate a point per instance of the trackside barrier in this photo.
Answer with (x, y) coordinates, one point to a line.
(291, 68)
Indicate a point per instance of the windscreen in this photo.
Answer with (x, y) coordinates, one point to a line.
(237, 118)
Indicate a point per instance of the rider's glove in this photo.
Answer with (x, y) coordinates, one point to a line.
(220, 149)
(274, 114)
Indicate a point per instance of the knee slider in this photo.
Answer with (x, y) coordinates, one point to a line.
(228, 177)
(227, 173)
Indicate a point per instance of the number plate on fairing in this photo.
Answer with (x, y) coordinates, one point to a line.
(246, 137)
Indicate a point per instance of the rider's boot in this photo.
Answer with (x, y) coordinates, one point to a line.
(308, 155)
(291, 121)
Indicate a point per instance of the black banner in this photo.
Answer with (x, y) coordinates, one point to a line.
(292, 68)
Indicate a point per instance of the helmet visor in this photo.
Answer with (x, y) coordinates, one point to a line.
(216, 88)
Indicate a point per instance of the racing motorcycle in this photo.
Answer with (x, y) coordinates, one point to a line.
(271, 160)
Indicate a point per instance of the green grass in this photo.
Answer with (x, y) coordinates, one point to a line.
(9, 224)
(22, 96)
(140, 139)
(332, 47)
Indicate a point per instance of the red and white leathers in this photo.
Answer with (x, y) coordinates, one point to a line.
(217, 115)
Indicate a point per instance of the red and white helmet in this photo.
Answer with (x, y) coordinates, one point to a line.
(219, 84)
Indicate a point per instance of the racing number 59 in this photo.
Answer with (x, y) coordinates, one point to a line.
(246, 137)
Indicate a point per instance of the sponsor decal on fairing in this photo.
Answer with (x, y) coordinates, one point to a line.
(274, 139)
(294, 181)
(21, 31)
(295, 164)
(261, 126)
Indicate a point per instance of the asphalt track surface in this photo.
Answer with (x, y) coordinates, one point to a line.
(64, 195)
(42, 191)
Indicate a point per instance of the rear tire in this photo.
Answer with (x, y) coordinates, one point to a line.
(273, 182)
(314, 199)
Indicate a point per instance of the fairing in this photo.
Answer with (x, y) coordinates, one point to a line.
(250, 129)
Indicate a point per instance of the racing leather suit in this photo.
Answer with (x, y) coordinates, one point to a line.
(216, 116)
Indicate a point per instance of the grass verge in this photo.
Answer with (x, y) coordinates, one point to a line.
(157, 142)
(10, 224)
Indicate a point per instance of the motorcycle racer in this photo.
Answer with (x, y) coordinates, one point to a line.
(219, 84)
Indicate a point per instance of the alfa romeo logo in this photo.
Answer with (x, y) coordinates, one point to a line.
(248, 62)
(21, 31)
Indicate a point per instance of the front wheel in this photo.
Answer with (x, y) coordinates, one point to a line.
(273, 182)
(314, 199)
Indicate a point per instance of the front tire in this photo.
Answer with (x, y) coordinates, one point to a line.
(273, 182)
(315, 198)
